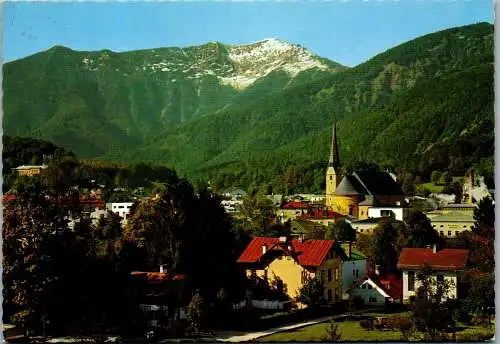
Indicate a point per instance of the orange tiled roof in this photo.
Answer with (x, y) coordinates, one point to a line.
(447, 259)
(308, 253)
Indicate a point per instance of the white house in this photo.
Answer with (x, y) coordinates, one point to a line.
(352, 269)
(444, 263)
(399, 212)
(376, 290)
(120, 208)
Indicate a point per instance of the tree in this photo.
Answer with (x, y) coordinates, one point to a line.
(447, 178)
(196, 311)
(311, 292)
(341, 231)
(385, 253)
(436, 177)
(431, 311)
(257, 211)
(421, 233)
(481, 294)
(484, 214)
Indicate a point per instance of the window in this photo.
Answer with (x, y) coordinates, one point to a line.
(441, 232)
(440, 278)
(354, 272)
(362, 213)
(304, 277)
(372, 299)
(441, 226)
(336, 294)
(329, 275)
(411, 280)
(329, 294)
(331, 177)
(350, 211)
(361, 230)
(386, 213)
(449, 233)
(363, 286)
(370, 286)
(253, 275)
(357, 273)
(336, 274)
(465, 226)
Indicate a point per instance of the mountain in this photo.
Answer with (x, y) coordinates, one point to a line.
(105, 103)
(423, 105)
(393, 109)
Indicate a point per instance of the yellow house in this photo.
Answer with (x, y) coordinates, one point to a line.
(30, 171)
(291, 263)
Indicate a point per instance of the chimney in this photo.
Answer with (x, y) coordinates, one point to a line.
(434, 248)
(162, 269)
(264, 249)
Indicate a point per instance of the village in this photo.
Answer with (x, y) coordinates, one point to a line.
(363, 246)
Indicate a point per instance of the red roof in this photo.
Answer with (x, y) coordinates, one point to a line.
(156, 276)
(388, 283)
(447, 259)
(295, 205)
(307, 253)
(322, 214)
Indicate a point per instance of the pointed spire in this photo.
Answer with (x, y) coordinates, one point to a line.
(334, 150)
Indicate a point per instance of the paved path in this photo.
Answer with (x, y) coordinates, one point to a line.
(254, 335)
(244, 337)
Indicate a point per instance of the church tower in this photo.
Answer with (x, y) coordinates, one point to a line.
(333, 170)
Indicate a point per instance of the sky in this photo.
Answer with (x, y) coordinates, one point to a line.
(348, 32)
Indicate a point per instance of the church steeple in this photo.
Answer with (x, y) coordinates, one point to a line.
(333, 170)
(334, 150)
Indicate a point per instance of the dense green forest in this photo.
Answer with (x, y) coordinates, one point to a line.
(421, 106)
(105, 103)
(424, 105)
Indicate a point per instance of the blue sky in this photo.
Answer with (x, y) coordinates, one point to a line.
(347, 32)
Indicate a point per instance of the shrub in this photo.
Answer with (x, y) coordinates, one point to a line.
(331, 333)
(366, 324)
(476, 336)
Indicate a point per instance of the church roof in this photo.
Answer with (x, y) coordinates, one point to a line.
(378, 183)
(350, 185)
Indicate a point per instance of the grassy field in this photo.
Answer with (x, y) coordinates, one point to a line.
(352, 331)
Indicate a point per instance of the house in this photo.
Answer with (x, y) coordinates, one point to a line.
(308, 229)
(376, 290)
(463, 208)
(451, 224)
(346, 194)
(366, 226)
(325, 217)
(292, 210)
(353, 267)
(290, 263)
(30, 171)
(120, 208)
(445, 263)
(158, 297)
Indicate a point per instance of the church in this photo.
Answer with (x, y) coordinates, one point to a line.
(353, 194)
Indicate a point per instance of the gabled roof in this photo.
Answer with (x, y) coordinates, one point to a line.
(322, 214)
(350, 185)
(378, 183)
(388, 283)
(309, 253)
(295, 205)
(447, 259)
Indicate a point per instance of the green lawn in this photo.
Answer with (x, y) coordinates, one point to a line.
(352, 331)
